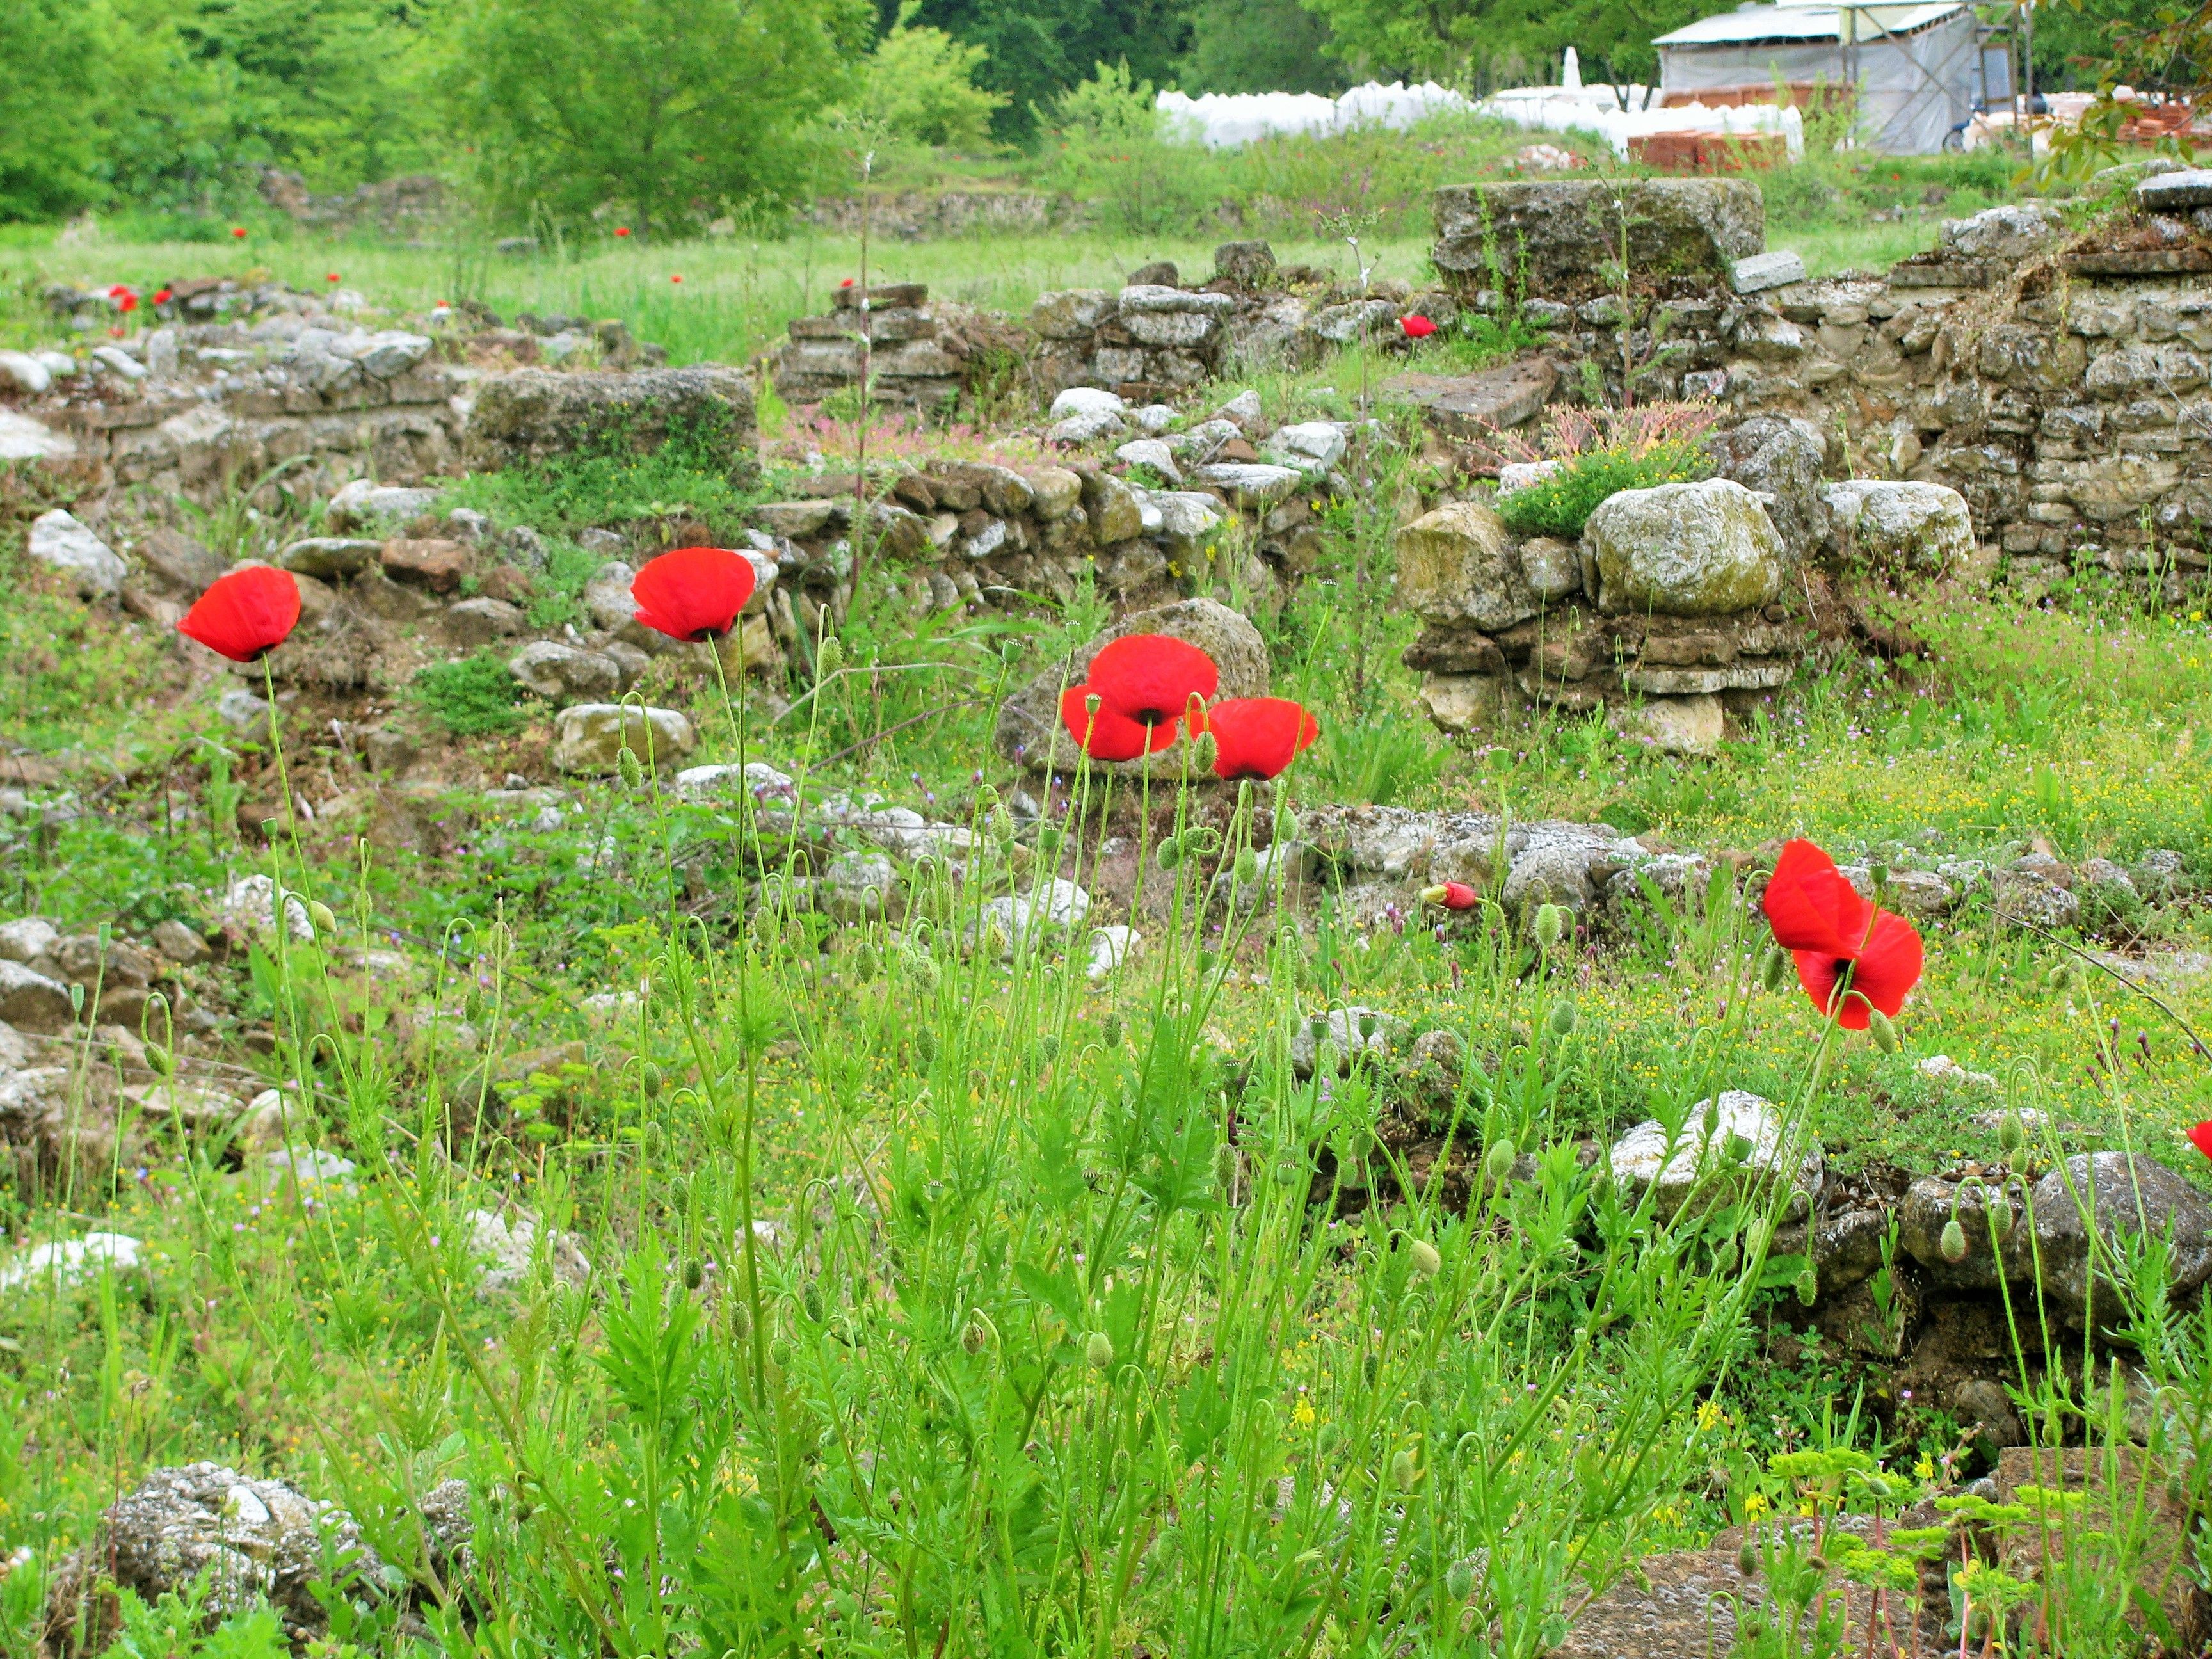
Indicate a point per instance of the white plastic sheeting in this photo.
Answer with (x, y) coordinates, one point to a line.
(1597, 111)
(1229, 121)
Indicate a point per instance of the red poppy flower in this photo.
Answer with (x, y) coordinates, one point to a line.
(330, 276)
(127, 302)
(1452, 895)
(1416, 327)
(622, 230)
(847, 282)
(238, 233)
(1107, 735)
(162, 296)
(1258, 737)
(675, 279)
(2200, 1139)
(246, 614)
(1820, 921)
(1152, 678)
(693, 592)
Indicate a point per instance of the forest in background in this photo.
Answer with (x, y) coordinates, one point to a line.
(548, 114)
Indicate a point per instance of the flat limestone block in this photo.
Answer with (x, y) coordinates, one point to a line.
(1762, 271)
(1470, 405)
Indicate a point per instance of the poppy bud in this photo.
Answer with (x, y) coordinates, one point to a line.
(628, 766)
(1371, 1367)
(1954, 1242)
(1428, 1261)
(778, 1353)
(656, 1139)
(1737, 1147)
(2000, 1216)
(1883, 1033)
(1248, 867)
(867, 965)
(320, 914)
(654, 1078)
(1808, 1287)
(1169, 853)
(1459, 1580)
(1747, 1558)
(158, 1060)
(1286, 825)
(2011, 1132)
(1098, 1352)
(1562, 1018)
(1774, 970)
(1818, 1562)
(1498, 1162)
(2062, 976)
(695, 1274)
(1111, 1032)
(2016, 1159)
(810, 1302)
(925, 1044)
(975, 1335)
(829, 657)
(922, 968)
(1551, 923)
(1404, 1471)
(741, 1320)
(1724, 1257)
(1205, 751)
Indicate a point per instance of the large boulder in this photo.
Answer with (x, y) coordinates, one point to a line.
(591, 737)
(1685, 549)
(2083, 1208)
(536, 415)
(1028, 728)
(1779, 459)
(1460, 564)
(1899, 528)
(1729, 1146)
(1561, 234)
(58, 541)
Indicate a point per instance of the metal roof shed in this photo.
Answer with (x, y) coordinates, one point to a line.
(1917, 68)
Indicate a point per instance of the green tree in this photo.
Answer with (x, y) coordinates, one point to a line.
(1259, 45)
(918, 85)
(50, 139)
(1469, 42)
(1037, 49)
(665, 111)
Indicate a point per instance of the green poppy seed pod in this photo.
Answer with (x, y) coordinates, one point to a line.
(975, 1335)
(1428, 1261)
(695, 1274)
(654, 1079)
(1404, 1471)
(1459, 1580)
(1747, 1558)
(741, 1320)
(1248, 867)
(810, 1303)
(1883, 1033)
(829, 657)
(1878, 874)
(1774, 970)
(1205, 751)
(1808, 1287)
(866, 962)
(158, 1060)
(629, 768)
(1562, 1019)
(1367, 1024)
(1111, 1032)
(1498, 1162)
(2012, 1134)
(1954, 1241)
(1169, 852)
(1551, 923)
(1098, 1352)
(656, 1139)
(76, 998)
(1092, 704)
(320, 914)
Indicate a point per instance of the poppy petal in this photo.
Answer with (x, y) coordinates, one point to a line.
(1819, 972)
(1152, 678)
(1811, 906)
(246, 614)
(2200, 1139)
(1258, 737)
(1106, 735)
(1887, 966)
(693, 593)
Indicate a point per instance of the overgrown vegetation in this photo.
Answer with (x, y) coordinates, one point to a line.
(471, 696)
